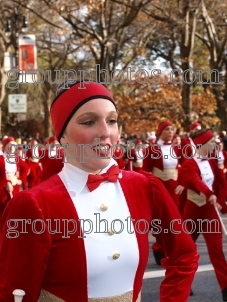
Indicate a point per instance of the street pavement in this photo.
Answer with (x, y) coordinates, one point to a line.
(205, 286)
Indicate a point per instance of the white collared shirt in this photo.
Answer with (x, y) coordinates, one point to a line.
(205, 170)
(106, 276)
(168, 155)
(221, 158)
(10, 165)
(139, 156)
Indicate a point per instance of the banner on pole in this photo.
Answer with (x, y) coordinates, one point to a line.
(27, 52)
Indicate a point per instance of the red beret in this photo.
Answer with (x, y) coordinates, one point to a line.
(138, 141)
(194, 125)
(71, 99)
(162, 126)
(176, 135)
(203, 138)
(52, 139)
(218, 141)
(8, 140)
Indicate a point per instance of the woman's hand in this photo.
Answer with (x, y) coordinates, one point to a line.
(213, 201)
(179, 189)
(9, 189)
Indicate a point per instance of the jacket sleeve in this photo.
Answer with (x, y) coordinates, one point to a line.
(220, 185)
(181, 259)
(24, 248)
(190, 178)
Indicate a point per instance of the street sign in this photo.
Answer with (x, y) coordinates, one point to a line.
(17, 103)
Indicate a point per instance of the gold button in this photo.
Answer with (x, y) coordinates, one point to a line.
(116, 256)
(103, 207)
(110, 232)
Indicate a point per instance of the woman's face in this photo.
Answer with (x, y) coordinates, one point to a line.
(167, 134)
(207, 148)
(11, 148)
(177, 141)
(92, 130)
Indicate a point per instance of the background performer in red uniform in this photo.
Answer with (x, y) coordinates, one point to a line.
(206, 193)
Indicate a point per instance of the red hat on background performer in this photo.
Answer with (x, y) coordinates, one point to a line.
(52, 139)
(203, 138)
(118, 154)
(195, 126)
(162, 126)
(176, 139)
(7, 140)
(187, 146)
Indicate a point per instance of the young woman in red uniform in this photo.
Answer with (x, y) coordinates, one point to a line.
(162, 162)
(86, 235)
(187, 146)
(13, 171)
(206, 192)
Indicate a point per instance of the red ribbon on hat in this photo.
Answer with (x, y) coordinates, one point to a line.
(94, 180)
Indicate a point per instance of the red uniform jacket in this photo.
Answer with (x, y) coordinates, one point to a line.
(23, 170)
(153, 157)
(51, 166)
(190, 178)
(186, 150)
(4, 195)
(58, 265)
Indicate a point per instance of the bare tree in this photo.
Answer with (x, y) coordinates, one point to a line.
(215, 40)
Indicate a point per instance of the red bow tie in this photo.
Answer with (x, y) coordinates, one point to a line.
(167, 143)
(111, 175)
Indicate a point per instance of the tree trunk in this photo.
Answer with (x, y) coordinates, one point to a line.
(48, 131)
(221, 101)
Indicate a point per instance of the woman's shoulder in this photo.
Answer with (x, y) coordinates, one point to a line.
(141, 179)
(44, 198)
(47, 190)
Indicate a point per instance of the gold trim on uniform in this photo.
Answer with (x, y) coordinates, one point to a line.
(166, 174)
(127, 297)
(48, 297)
(198, 199)
(137, 165)
(221, 166)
